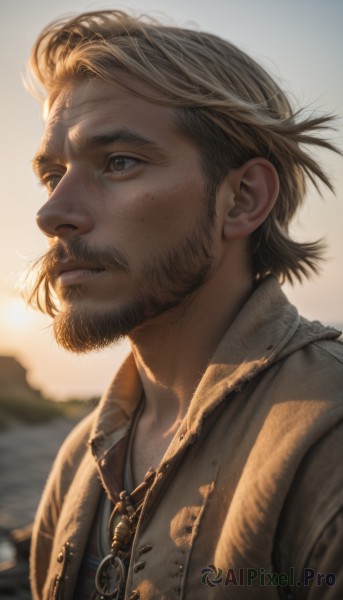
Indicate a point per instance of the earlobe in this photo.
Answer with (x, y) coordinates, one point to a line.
(256, 188)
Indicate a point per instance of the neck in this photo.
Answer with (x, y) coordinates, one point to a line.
(172, 351)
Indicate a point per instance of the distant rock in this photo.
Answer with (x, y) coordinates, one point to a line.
(20, 402)
(13, 379)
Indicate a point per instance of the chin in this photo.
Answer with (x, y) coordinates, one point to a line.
(81, 327)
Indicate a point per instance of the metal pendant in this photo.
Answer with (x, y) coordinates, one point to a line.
(110, 577)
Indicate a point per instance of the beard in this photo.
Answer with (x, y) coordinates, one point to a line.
(163, 283)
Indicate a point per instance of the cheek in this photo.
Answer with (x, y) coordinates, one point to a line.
(166, 202)
(146, 213)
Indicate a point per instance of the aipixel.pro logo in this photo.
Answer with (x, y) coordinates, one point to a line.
(211, 576)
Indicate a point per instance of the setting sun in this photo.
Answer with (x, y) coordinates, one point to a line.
(16, 315)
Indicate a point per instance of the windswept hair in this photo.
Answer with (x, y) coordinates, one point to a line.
(223, 100)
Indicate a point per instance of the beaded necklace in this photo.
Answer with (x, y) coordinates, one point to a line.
(111, 574)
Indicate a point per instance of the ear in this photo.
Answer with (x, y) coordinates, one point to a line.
(255, 189)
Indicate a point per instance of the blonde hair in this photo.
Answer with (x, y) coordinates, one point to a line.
(224, 101)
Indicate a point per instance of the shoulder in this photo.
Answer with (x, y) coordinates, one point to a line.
(333, 349)
(313, 362)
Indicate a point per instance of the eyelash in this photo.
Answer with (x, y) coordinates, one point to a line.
(48, 178)
(122, 157)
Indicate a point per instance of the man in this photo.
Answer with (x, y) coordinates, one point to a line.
(174, 165)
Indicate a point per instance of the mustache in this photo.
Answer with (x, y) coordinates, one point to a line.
(80, 250)
(37, 285)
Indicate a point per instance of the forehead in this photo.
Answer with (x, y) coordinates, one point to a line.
(92, 106)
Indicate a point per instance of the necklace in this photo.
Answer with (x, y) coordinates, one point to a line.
(111, 574)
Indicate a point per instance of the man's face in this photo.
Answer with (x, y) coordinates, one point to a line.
(127, 215)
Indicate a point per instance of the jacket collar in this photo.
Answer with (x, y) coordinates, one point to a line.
(116, 408)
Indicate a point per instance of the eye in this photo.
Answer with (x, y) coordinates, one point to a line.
(119, 164)
(51, 181)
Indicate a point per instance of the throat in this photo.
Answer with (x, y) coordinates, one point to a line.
(146, 448)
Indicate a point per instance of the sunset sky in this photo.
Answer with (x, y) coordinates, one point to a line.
(298, 41)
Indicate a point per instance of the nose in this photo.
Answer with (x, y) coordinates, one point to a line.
(64, 214)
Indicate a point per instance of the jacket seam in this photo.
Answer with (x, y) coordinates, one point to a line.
(340, 361)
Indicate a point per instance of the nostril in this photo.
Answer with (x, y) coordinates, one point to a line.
(65, 226)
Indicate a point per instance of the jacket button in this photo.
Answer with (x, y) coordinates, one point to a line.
(135, 595)
(60, 557)
(139, 566)
(144, 549)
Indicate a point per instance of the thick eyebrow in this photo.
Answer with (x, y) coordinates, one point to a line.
(39, 161)
(100, 141)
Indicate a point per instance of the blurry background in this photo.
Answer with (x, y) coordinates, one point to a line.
(298, 41)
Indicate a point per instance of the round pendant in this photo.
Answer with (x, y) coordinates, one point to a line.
(110, 577)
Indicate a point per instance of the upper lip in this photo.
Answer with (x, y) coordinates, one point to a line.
(74, 265)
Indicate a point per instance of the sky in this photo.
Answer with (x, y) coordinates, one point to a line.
(298, 41)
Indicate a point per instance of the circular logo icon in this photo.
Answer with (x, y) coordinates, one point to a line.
(211, 576)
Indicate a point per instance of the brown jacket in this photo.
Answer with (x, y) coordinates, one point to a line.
(252, 479)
